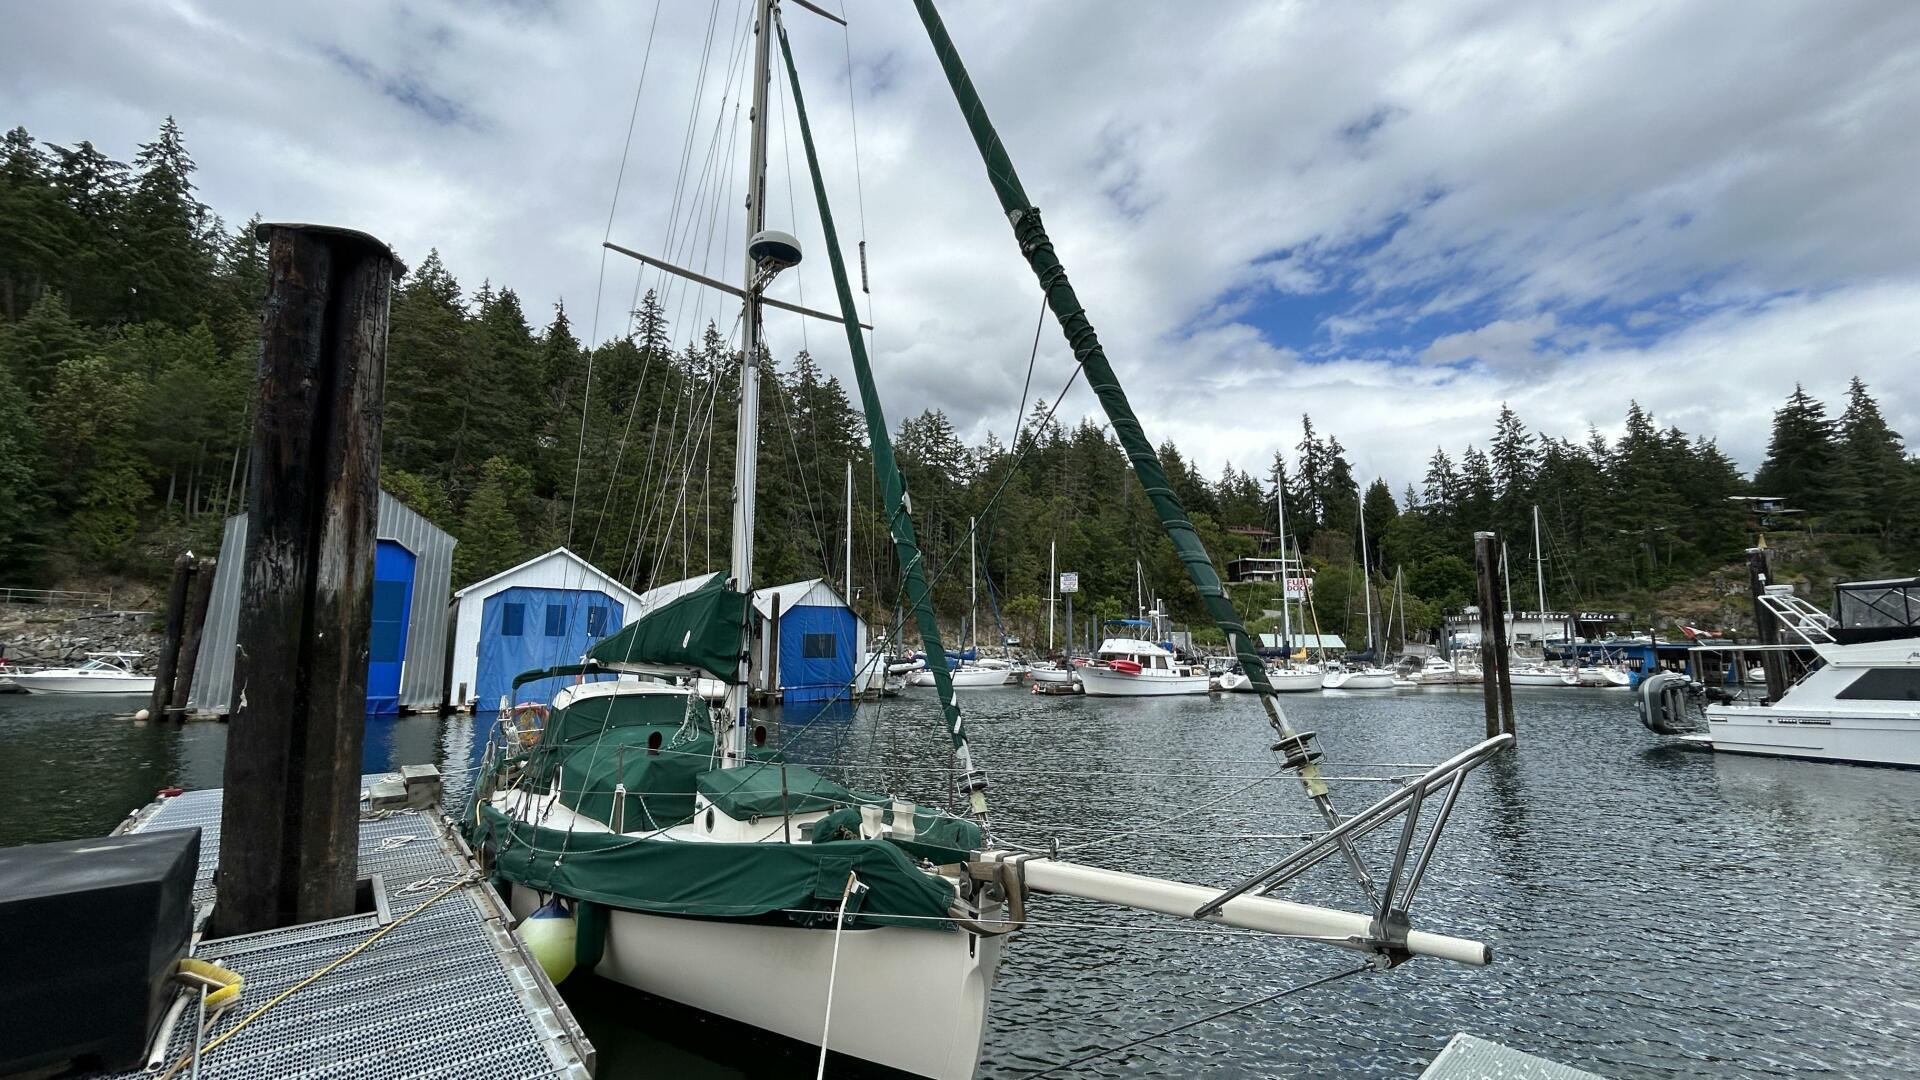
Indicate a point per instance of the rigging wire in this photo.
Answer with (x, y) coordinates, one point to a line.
(593, 335)
(686, 156)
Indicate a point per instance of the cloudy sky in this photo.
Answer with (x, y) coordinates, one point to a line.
(1392, 217)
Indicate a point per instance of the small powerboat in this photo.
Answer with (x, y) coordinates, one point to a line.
(109, 673)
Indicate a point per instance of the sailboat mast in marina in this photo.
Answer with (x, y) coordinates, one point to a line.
(700, 865)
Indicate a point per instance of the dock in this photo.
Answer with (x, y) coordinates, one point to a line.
(1467, 1057)
(448, 992)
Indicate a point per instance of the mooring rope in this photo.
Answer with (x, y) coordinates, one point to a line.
(833, 970)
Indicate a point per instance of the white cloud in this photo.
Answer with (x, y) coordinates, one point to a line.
(1735, 179)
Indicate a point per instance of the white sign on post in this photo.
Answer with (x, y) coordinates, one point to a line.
(1069, 583)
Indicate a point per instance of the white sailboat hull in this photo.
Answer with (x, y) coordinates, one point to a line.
(1781, 731)
(1105, 682)
(962, 677)
(909, 999)
(1357, 680)
(1283, 681)
(1051, 675)
(88, 683)
(1538, 678)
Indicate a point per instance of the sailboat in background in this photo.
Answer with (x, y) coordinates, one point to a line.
(1049, 671)
(696, 864)
(1367, 674)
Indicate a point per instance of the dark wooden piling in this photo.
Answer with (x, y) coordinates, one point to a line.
(1496, 680)
(199, 598)
(1767, 629)
(290, 820)
(169, 661)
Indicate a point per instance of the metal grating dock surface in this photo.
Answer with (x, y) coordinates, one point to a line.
(449, 993)
(1467, 1057)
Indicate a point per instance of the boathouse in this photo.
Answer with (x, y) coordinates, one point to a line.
(412, 571)
(542, 613)
(810, 642)
(807, 642)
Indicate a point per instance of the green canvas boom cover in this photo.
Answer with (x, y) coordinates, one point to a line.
(674, 877)
(698, 630)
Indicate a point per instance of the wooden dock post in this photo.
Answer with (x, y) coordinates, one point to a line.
(1759, 576)
(192, 631)
(290, 820)
(170, 644)
(1496, 680)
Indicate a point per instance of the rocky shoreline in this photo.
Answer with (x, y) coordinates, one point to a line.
(33, 636)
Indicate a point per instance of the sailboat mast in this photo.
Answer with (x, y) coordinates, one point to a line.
(1540, 580)
(1053, 583)
(973, 584)
(1400, 598)
(849, 532)
(1286, 576)
(1366, 576)
(746, 466)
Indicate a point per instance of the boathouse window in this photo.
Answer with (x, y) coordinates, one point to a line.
(1884, 684)
(513, 620)
(819, 647)
(556, 620)
(597, 621)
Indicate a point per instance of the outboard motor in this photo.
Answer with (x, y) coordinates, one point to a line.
(1664, 706)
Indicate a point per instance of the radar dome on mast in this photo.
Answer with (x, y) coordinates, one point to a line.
(773, 251)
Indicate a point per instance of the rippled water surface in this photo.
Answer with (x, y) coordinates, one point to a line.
(1654, 911)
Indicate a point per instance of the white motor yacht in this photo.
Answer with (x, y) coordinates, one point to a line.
(1127, 667)
(103, 673)
(1859, 703)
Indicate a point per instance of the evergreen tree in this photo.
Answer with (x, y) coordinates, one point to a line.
(1874, 468)
(491, 535)
(169, 260)
(1441, 490)
(1801, 464)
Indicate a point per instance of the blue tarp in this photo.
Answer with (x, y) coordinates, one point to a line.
(525, 628)
(393, 567)
(818, 652)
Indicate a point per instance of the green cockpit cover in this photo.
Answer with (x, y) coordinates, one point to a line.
(764, 787)
(939, 838)
(698, 629)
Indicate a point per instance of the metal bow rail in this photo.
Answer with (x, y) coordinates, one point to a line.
(1391, 902)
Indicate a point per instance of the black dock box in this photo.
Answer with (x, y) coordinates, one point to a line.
(93, 928)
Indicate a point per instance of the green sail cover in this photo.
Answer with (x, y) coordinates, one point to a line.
(699, 629)
(893, 485)
(1065, 304)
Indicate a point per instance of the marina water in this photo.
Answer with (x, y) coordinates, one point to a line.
(1653, 910)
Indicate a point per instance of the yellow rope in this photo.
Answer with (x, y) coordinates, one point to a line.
(309, 980)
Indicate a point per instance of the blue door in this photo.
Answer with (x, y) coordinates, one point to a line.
(392, 605)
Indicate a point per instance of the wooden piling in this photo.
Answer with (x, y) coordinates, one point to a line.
(199, 598)
(169, 661)
(1767, 629)
(290, 818)
(1496, 680)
